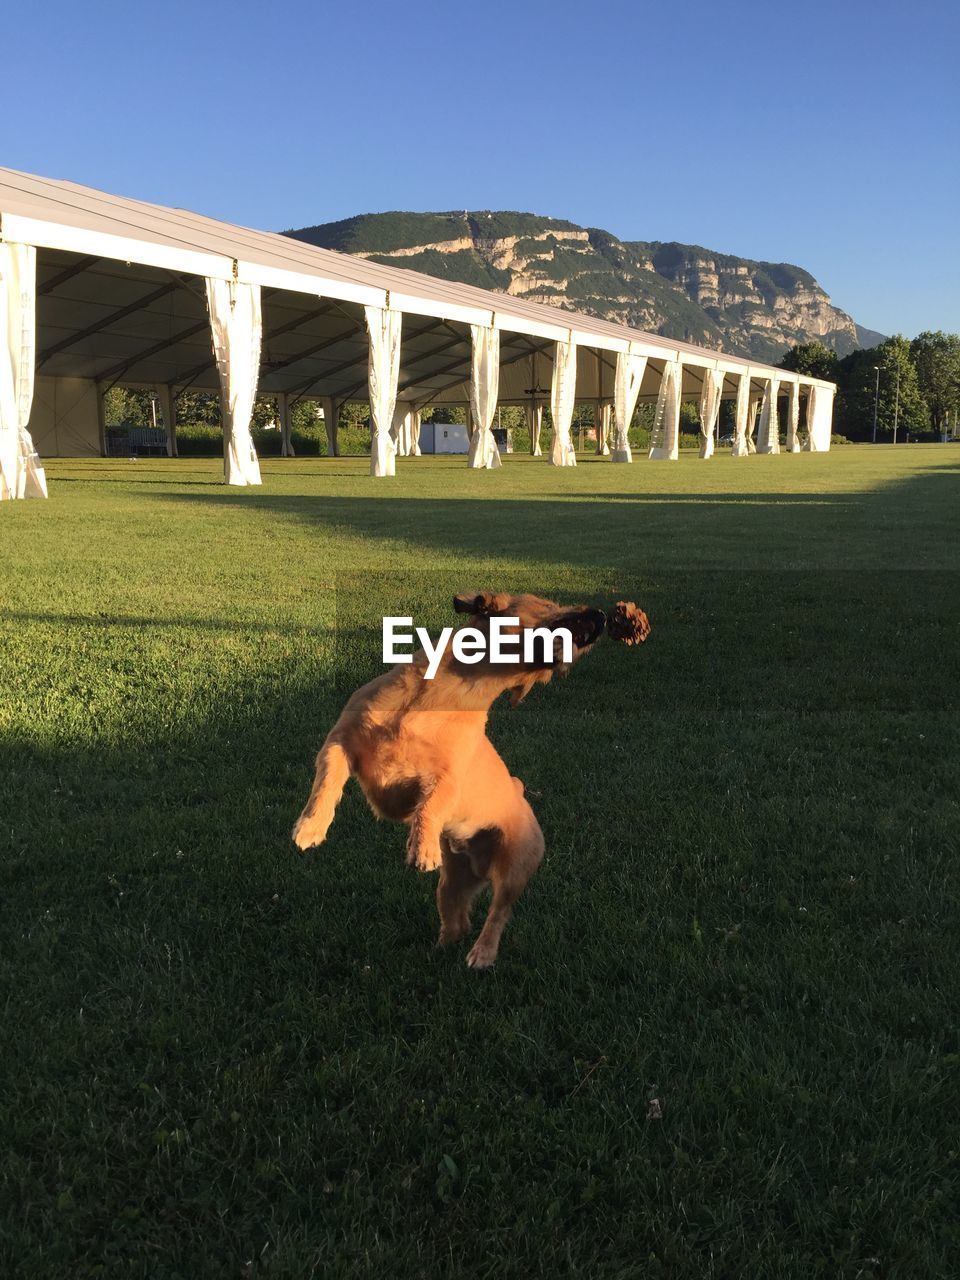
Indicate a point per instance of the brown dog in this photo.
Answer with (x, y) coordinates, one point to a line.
(420, 752)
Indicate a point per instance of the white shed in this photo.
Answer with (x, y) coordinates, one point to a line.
(444, 437)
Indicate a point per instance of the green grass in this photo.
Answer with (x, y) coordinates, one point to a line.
(221, 1058)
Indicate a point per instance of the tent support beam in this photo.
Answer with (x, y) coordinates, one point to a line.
(305, 388)
(56, 281)
(535, 349)
(106, 322)
(425, 355)
(114, 375)
(183, 380)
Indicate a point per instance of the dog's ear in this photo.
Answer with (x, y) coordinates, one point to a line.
(468, 602)
(480, 605)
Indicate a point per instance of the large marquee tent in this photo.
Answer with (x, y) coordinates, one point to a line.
(98, 291)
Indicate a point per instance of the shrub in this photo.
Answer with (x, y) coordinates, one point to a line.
(198, 440)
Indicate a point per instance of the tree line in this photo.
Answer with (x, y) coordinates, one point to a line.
(914, 387)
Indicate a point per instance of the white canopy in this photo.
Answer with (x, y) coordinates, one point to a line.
(121, 298)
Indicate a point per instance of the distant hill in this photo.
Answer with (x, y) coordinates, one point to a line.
(683, 291)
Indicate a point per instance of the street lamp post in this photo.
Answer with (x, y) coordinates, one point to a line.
(896, 407)
(876, 402)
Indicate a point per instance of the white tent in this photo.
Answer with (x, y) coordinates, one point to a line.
(121, 296)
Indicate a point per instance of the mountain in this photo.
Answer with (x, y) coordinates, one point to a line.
(683, 291)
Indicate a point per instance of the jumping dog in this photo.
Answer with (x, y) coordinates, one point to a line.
(420, 751)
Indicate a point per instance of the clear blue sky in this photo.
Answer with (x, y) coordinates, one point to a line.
(826, 135)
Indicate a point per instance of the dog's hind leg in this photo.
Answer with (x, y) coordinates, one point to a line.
(333, 770)
(458, 886)
(511, 868)
(426, 825)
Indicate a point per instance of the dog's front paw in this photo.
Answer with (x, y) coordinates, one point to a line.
(425, 855)
(481, 955)
(309, 832)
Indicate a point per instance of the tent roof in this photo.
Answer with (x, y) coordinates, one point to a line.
(120, 301)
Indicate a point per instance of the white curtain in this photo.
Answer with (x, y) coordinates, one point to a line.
(819, 419)
(283, 422)
(793, 419)
(168, 411)
(809, 445)
(825, 418)
(666, 424)
(768, 440)
(331, 425)
(739, 448)
(601, 419)
(563, 392)
(534, 426)
(626, 388)
(484, 389)
(21, 475)
(710, 410)
(398, 429)
(236, 326)
(383, 374)
(752, 423)
(406, 429)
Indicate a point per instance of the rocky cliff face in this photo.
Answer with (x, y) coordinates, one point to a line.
(755, 309)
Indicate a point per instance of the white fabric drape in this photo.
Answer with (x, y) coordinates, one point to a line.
(168, 411)
(768, 436)
(793, 419)
(825, 399)
(406, 429)
(666, 424)
(534, 426)
(21, 475)
(626, 387)
(563, 392)
(398, 429)
(809, 445)
(739, 447)
(710, 410)
(752, 423)
(236, 326)
(283, 422)
(484, 389)
(331, 425)
(602, 412)
(819, 419)
(383, 374)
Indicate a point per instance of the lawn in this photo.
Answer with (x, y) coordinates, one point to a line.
(722, 1036)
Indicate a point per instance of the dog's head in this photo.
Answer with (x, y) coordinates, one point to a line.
(540, 631)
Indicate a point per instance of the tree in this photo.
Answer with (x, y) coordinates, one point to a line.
(937, 360)
(127, 407)
(201, 407)
(355, 413)
(856, 377)
(811, 358)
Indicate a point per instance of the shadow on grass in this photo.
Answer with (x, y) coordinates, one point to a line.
(616, 531)
(217, 1050)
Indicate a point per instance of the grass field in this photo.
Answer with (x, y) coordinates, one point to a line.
(222, 1058)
